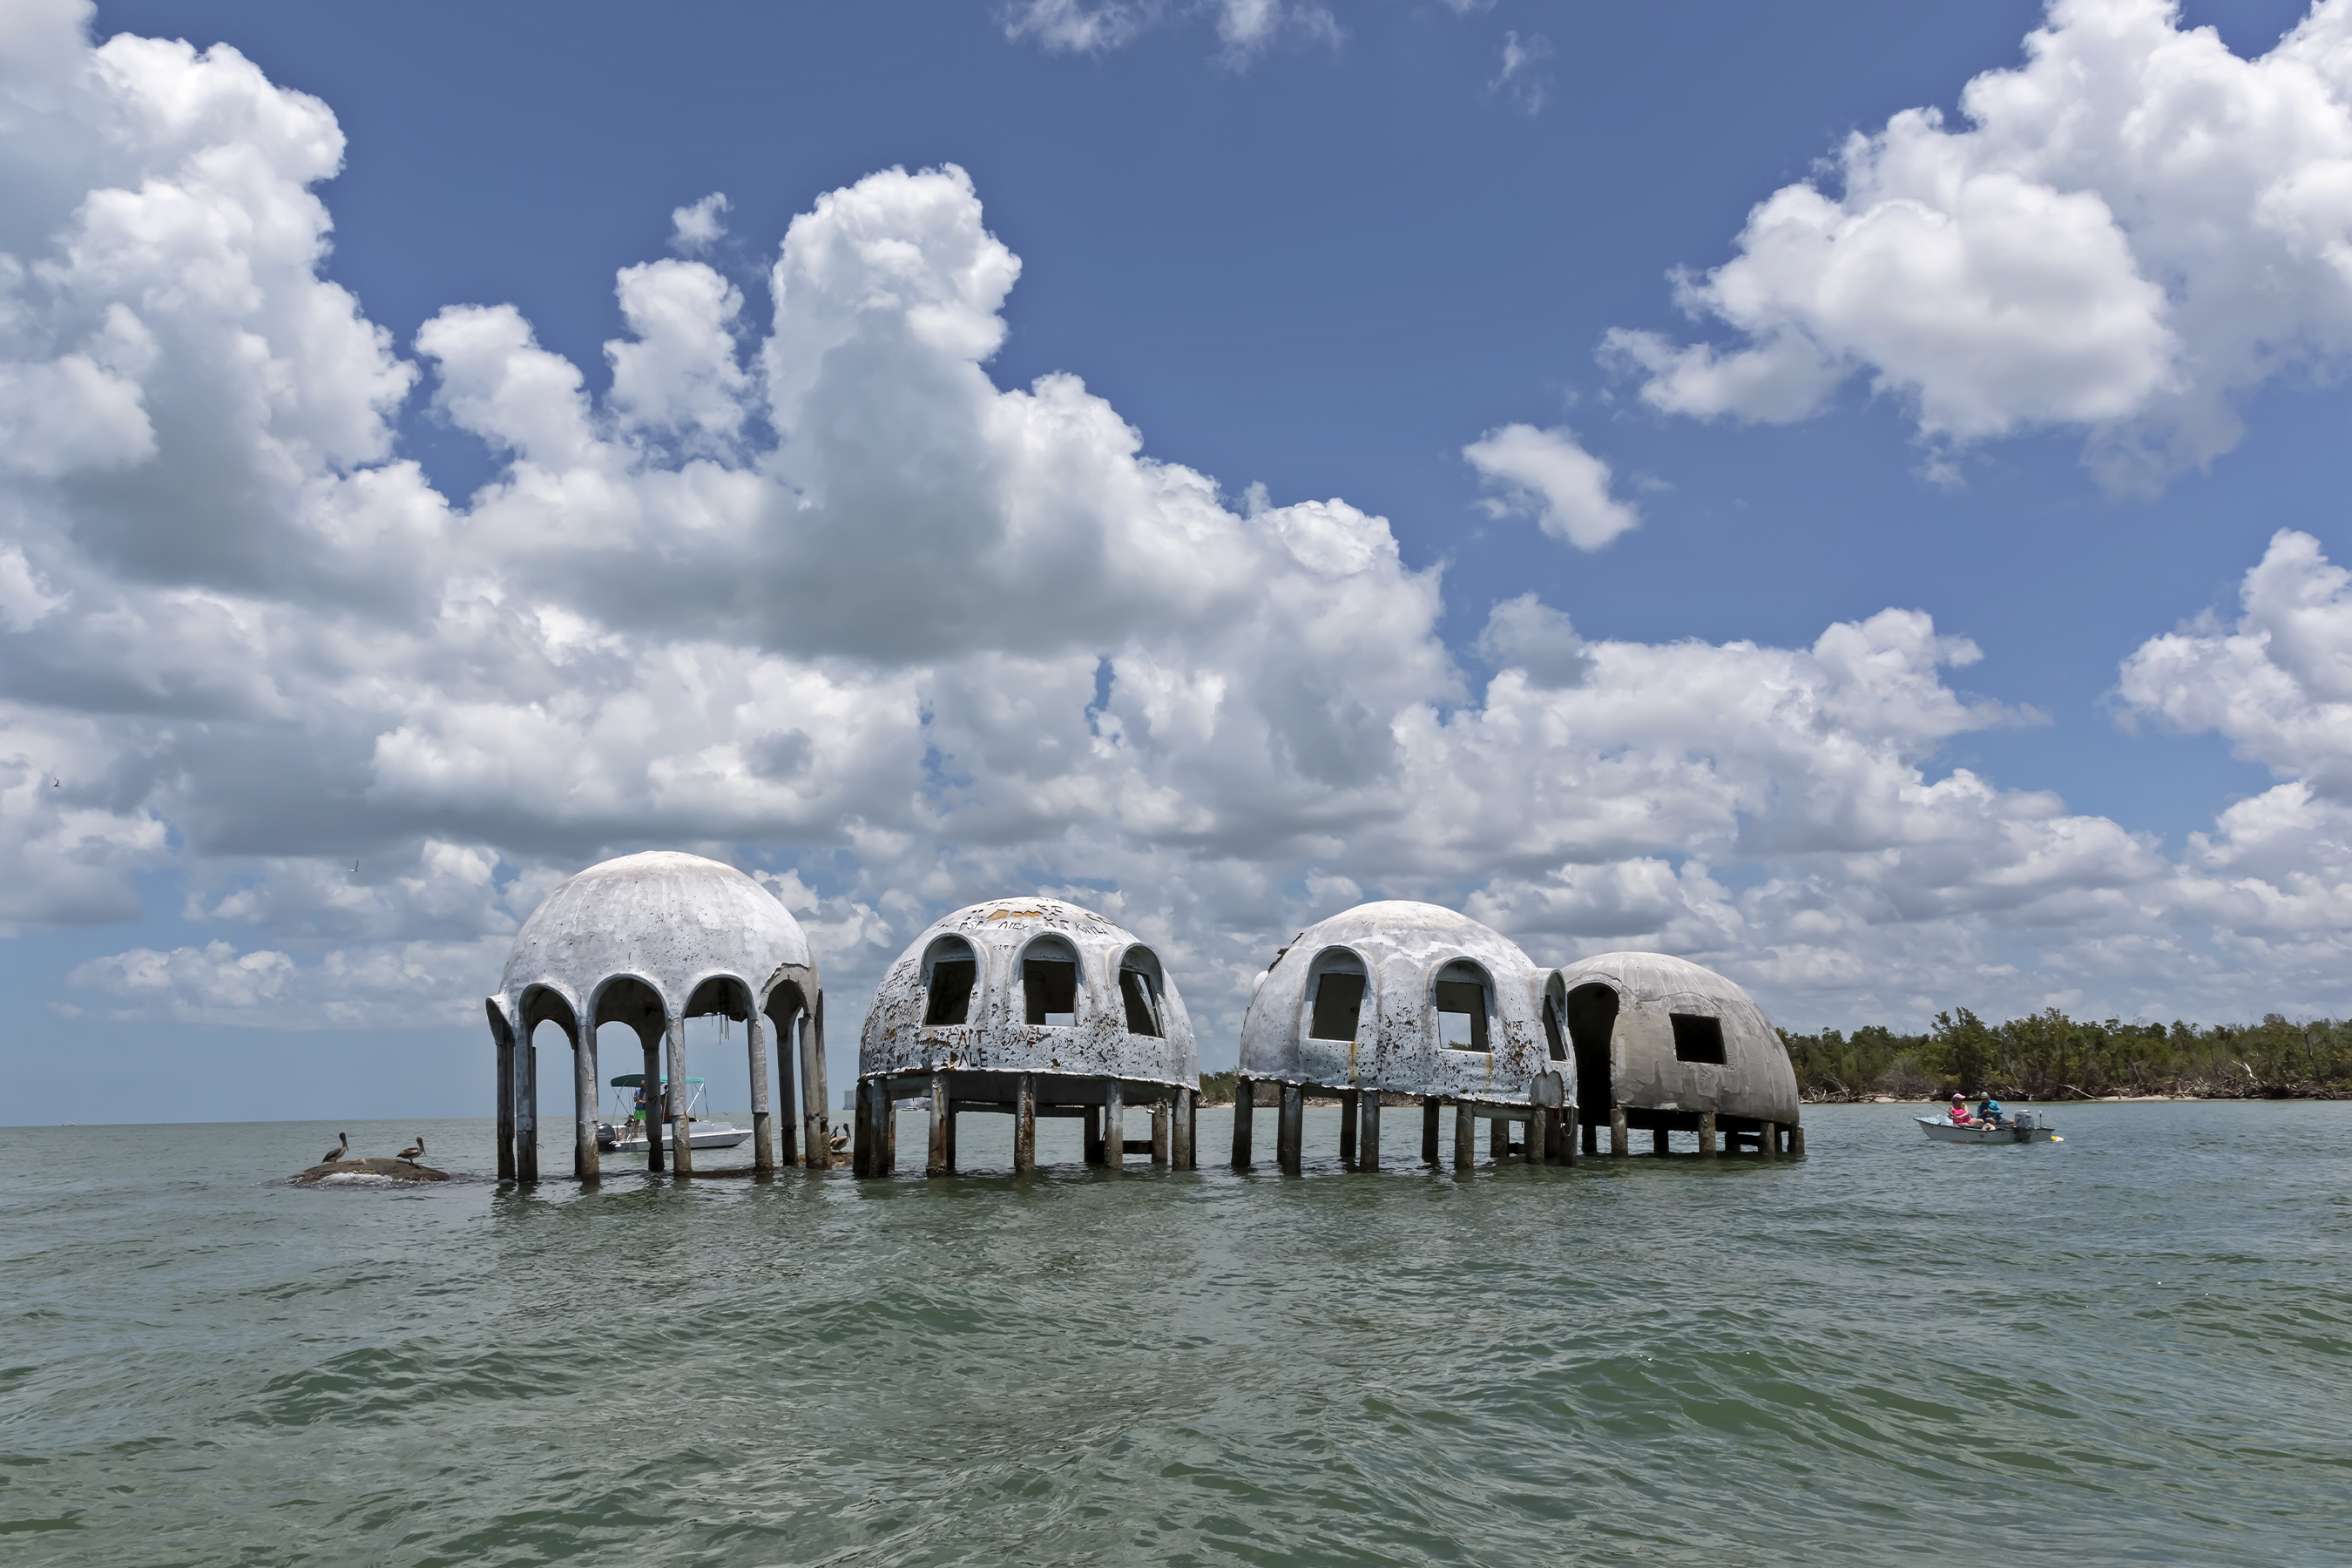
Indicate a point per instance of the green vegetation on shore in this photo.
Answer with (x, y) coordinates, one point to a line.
(2050, 1056)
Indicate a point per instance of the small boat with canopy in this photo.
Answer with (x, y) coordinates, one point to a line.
(626, 1132)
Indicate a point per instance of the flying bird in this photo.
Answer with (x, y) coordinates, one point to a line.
(342, 1147)
(416, 1151)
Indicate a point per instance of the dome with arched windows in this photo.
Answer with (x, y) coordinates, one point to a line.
(1407, 998)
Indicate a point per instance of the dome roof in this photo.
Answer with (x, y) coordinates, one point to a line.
(1401, 948)
(993, 1034)
(671, 919)
(1742, 1071)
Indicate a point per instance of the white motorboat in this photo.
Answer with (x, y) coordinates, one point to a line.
(626, 1134)
(2020, 1127)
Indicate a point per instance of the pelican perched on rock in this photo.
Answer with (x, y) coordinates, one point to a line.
(416, 1151)
(341, 1150)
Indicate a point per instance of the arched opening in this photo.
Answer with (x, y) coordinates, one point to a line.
(1050, 983)
(1592, 1020)
(950, 976)
(1141, 985)
(624, 999)
(1462, 998)
(1336, 983)
(1555, 1018)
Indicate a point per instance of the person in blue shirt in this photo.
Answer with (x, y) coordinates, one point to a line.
(1989, 1112)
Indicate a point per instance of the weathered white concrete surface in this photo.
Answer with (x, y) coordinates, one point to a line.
(1402, 947)
(995, 1035)
(1755, 1078)
(671, 921)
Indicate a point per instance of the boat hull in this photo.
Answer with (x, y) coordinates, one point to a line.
(1945, 1132)
(720, 1136)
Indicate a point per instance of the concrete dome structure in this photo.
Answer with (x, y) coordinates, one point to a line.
(1406, 998)
(650, 940)
(1036, 1007)
(1665, 1044)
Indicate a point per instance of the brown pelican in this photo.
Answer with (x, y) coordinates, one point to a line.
(416, 1151)
(342, 1149)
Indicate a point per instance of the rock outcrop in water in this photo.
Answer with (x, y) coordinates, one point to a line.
(361, 1170)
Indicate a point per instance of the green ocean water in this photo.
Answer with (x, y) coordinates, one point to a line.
(2133, 1347)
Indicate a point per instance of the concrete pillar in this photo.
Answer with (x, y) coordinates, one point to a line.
(1796, 1140)
(1091, 1145)
(681, 1128)
(506, 1070)
(1768, 1144)
(763, 1121)
(1498, 1139)
(1024, 1124)
(1620, 1141)
(886, 1105)
(1290, 1129)
(1348, 1097)
(1706, 1134)
(812, 1070)
(1572, 1118)
(816, 1153)
(787, 1089)
(1429, 1130)
(865, 1132)
(1245, 1112)
(526, 1111)
(656, 1159)
(1659, 1145)
(1466, 1136)
(1159, 1134)
(1367, 1141)
(586, 1159)
(940, 1160)
(1180, 1131)
(1115, 1125)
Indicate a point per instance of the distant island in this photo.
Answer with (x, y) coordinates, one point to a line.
(2049, 1056)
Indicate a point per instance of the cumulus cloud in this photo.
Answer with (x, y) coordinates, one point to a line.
(2131, 230)
(1549, 475)
(699, 226)
(808, 589)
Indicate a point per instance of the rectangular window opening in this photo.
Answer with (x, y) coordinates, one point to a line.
(1135, 990)
(1461, 1015)
(951, 1000)
(1697, 1038)
(1552, 1035)
(1338, 999)
(1050, 987)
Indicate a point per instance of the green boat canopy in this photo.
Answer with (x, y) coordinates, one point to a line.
(632, 1079)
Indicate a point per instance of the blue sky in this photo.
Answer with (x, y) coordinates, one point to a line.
(1325, 251)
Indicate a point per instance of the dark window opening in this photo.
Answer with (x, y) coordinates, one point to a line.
(1697, 1039)
(951, 981)
(1338, 1000)
(1135, 990)
(1461, 1015)
(1051, 988)
(1551, 1031)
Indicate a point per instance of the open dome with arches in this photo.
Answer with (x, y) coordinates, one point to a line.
(1032, 1007)
(1398, 997)
(1665, 1044)
(650, 940)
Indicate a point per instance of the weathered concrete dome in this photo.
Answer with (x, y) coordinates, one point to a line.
(1030, 985)
(670, 920)
(1406, 997)
(1663, 1033)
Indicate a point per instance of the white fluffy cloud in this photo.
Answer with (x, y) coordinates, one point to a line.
(1548, 475)
(808, 588)
(2132, 228)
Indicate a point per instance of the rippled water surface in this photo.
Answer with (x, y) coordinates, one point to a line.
(2133, 1347)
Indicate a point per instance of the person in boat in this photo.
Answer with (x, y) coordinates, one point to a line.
(1989, 1110)
(637, 1109)
(1959, 1113)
